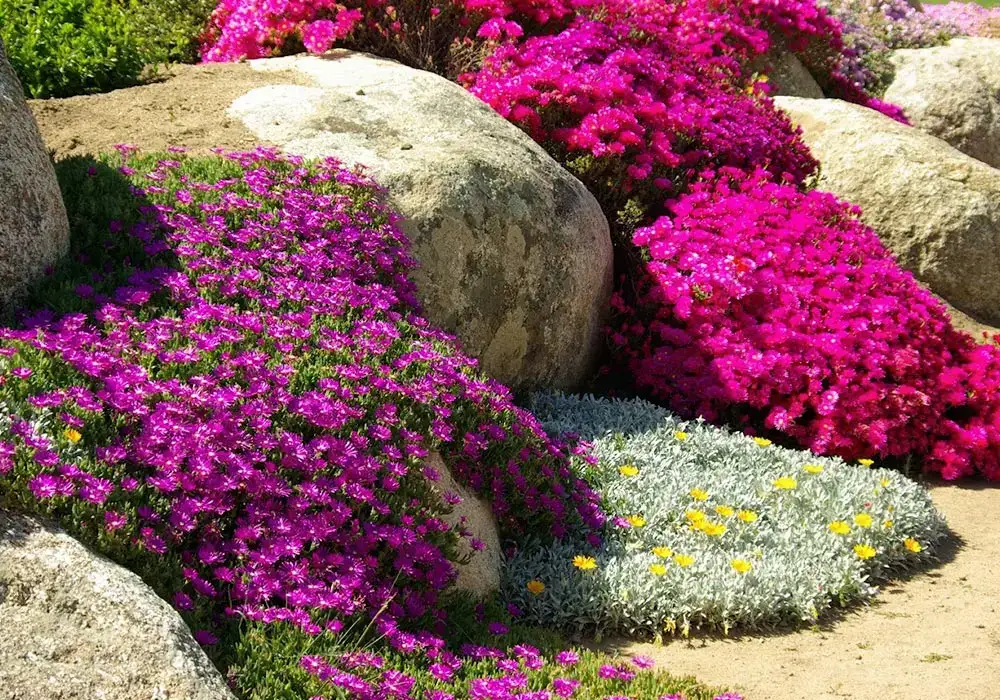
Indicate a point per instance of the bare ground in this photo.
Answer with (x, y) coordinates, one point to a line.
(935, 636)
(185, 107)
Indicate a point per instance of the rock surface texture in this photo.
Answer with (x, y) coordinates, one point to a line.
(953, 92)
(75, 625)
(936, 208)
(34, 232)
(515, 254)
(481, 574)
(787, 75)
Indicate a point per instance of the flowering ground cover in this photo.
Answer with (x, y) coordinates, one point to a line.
(710, 528)
(229, 389)
(968, 18)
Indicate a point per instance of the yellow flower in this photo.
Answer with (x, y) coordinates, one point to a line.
(785, 482)
(839, 527)
(863, 520)
(72, 435)
(695, 516)
(657, 569)
(535, 587)
(885, 483)
(628, 470)
(866, 462)
(864, 551)
(912, 545)
(812, 468)
(636, 520)
(887, 524)
(681, 435)
(663, 552)
(747, 516)
(699, 494)
(714, 529)
(741, 565)
(683, 560)
(584, 563)
(763, 442)
(724, 511)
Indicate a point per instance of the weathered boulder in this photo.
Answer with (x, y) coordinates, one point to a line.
(515, 253)
(480, 574)
(936, 208)
(34, 232)
(788, 76)
(953, 92)
(75, 625)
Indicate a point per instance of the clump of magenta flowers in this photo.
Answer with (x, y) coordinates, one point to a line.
(230, 390)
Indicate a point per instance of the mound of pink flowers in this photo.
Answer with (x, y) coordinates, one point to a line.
(765, 305)
(255, 404)
(967, 18)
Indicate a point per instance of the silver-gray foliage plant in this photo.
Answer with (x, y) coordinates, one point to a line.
(655, 466)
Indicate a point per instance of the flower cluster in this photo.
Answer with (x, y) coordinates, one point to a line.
(967, 18)
(430, 35)
(774, 308)
(716, 529)
(244, 386)
(639, 112)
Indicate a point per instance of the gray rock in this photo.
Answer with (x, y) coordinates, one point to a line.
(75, 625)
(34, 232)
(936, 208)
(953, 92)
(515, 253)
(478, 572)
(786, 73)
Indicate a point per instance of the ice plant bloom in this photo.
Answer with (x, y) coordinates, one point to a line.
(865, 462)
(73, 435)
(713, 529)
(813, 468)
(839, 527)
(535, 587)
(681, 435)
(724, 511)
(863, 520)
(747, 516)
(864, 551)
(699, 494)
(628, 470)
(695, 516)
(657, 569)
(584, 563)
(741, 566)
(786, 483)
(912, 545)
(663, 552)
(636, 520)
(683, 560)
(762, 442)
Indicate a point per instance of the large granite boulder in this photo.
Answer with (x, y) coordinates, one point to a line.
(936, 208)
(75, 625)
(515, 253)
(34, 232)
(953, 92)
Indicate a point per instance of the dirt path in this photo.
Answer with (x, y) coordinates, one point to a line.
(933, 637)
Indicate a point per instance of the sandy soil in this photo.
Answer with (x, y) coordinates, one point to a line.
(186, 107)
(935, 636)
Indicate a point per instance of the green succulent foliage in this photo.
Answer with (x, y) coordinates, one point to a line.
(173, 27)
(798, 566)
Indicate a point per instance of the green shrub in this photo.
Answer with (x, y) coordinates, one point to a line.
(172, 26)
(725, 530)
(60, 48)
